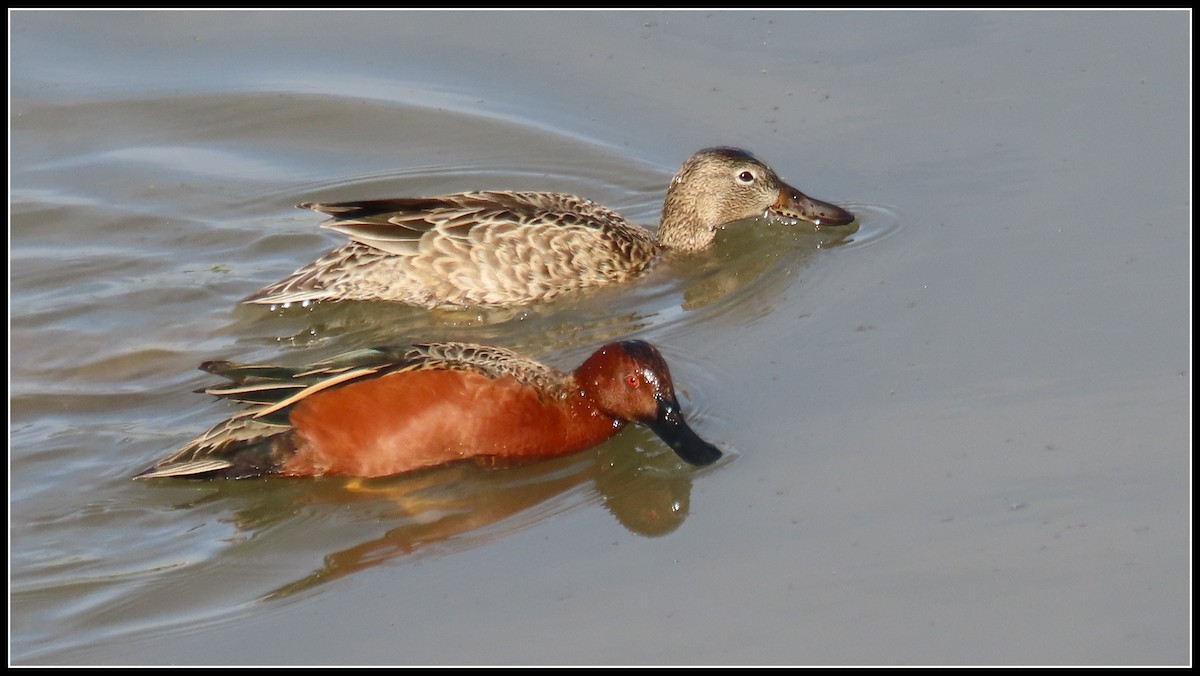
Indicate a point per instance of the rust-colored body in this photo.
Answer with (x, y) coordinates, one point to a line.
(386, 412)
(445, 416)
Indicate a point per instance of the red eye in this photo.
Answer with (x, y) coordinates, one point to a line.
(631, 380)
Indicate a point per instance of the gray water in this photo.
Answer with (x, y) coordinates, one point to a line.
(958, 435)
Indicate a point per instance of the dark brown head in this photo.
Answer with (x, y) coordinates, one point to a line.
(630, 381)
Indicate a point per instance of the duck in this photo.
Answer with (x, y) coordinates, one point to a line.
(500, 249)
(388, 411)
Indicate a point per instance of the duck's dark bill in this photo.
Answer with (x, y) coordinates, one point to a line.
(671, 428)
(794, 204)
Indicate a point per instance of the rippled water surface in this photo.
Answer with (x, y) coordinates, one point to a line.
(958, 431)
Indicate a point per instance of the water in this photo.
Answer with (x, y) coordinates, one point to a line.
(958, 435)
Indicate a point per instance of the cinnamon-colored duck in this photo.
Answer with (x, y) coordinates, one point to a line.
(387, 411)
(502, 249)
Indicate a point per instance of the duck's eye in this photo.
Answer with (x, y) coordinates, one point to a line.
(632, 380)
(746, 177)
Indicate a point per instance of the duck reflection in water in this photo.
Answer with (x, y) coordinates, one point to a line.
(458, 507)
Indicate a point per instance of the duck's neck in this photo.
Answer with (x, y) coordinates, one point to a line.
(581, 424)
(685, 224)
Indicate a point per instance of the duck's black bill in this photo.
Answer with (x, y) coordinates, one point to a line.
(673, 429)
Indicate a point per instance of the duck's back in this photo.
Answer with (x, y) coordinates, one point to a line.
(489, 249)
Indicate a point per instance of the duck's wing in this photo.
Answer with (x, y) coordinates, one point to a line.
(478, 248)
(397, 225)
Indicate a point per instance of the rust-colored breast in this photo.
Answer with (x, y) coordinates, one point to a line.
(409, 420)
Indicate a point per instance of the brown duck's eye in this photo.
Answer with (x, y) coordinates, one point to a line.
(632, 380)
(746, 177)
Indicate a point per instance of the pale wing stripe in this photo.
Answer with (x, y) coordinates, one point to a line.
(313, 389)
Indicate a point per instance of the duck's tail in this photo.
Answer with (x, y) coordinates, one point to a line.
(234, 449)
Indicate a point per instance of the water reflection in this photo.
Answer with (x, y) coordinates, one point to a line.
(752, 253)
(452, 508)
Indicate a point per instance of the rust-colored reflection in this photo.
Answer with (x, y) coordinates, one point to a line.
(461, 506)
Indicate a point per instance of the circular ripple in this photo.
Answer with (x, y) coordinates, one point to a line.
(875, 224)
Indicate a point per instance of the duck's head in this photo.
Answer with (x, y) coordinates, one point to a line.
(721, 185)
(630, 381)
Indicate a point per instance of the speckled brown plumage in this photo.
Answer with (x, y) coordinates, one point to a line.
(496, 249)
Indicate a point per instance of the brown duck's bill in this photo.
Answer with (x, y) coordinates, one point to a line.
(673, 429)
(794, 204)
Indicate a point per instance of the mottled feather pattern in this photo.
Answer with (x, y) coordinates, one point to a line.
(494, 362)
(472, 249)
(499, 249)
